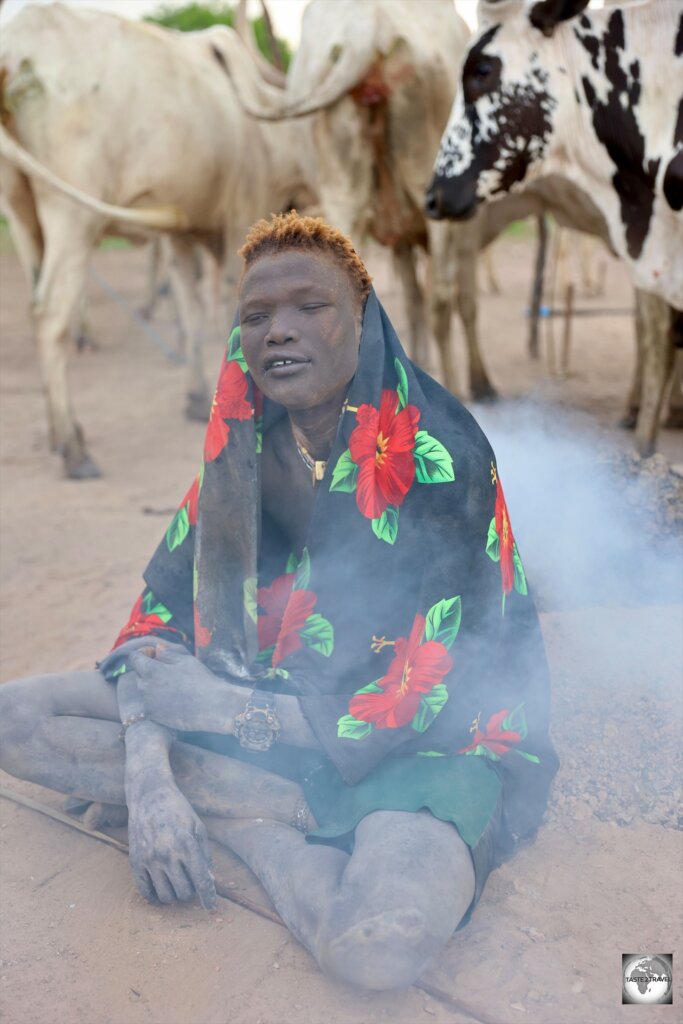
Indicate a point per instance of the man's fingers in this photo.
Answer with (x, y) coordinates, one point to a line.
(198, 867)
(124, 650)
(143, 665)
(181, 882)
(162, 886)
(144, 884)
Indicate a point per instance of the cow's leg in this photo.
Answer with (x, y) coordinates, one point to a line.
(630, 417)
(404, 260)
(18, 206)
(182, 271)
(69, 237)
(487, 261)
(481, 388)
(674, 420)
(658, 349)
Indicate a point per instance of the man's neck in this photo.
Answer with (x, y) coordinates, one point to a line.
(316, 429)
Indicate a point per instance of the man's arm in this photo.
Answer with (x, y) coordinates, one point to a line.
(168, 845)
(182, 693)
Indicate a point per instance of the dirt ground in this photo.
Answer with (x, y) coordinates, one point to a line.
(79, 946)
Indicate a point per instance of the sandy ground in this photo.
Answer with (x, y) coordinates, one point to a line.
(545, 945)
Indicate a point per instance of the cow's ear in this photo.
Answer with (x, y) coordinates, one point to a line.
(546, 14)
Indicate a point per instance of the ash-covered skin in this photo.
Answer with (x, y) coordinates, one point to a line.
(616, 125)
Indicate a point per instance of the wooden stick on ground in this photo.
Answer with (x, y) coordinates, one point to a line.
(223, 889)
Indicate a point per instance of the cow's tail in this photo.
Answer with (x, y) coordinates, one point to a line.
(163, 218)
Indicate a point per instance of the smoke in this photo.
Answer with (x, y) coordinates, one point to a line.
(599, 533)
(594, 526)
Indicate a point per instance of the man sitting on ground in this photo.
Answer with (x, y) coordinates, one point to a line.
(335, 668)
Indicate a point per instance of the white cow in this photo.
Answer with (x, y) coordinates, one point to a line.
(115, 126)
(596, 96)
(379, 76)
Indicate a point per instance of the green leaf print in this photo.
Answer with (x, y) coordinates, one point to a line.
(250, 605)
(345, 473)
(402, 387)
(303, 573)
(351, 728)
(386, 526)
(151, 605)
(292, 563)
(443, 621)
(520, 575)
(493, 542)
(433, 463)
(515, 721)
(318, 634)
(429, 707)
(235, 353)
(178, 530)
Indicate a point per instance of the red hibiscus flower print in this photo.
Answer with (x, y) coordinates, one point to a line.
(273, 600)
(229, 403)
(415, 670)
(202, 635)
(148, 616)
(382, 447)
(286, 611)
(495, 739)
(506, 540)
(191, 502)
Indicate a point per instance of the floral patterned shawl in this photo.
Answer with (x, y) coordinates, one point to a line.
(405, 625)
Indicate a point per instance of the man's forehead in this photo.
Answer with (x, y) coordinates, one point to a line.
(297, 270)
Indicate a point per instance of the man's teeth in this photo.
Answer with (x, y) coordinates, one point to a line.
(282, 362)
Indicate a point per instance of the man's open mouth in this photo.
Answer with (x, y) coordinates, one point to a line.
(284, 363)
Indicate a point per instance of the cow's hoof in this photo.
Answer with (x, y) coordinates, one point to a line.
(82, 469)
(645, 449)
(198, 407)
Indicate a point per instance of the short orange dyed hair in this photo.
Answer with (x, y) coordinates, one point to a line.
(287, 231)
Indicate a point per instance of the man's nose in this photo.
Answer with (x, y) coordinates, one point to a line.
(281, 331)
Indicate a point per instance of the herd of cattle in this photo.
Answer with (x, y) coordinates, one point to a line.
(392, 119)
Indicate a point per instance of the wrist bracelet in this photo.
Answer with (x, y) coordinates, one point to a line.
(141, 716)
(258, 727)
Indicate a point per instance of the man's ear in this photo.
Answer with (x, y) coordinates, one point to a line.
(545, 15)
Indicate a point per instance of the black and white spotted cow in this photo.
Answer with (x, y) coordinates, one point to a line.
(595, 96)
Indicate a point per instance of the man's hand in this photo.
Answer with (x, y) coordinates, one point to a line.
(168, 845)
(178, 691)
(112, 661)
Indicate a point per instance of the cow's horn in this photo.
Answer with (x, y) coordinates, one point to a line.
(343, 69)
(269, 73)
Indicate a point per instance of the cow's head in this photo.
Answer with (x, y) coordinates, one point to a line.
(502, 118)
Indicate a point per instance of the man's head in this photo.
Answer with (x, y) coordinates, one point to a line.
(302, 295)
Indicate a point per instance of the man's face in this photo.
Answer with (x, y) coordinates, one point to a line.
(300, 319)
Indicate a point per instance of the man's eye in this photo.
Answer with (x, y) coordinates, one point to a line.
(254, 318)
(314, 305)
